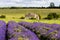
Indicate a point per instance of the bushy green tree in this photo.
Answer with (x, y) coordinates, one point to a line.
(52, 16)
(52, 4)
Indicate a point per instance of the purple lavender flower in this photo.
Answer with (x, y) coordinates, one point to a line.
(18, 32)
(2, 30)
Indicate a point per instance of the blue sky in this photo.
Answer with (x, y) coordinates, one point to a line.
(27, 3)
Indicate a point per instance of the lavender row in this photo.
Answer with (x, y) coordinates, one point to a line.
(23, 31)
(14, 31)
(18, 32)
(51, 31)
(2, 30)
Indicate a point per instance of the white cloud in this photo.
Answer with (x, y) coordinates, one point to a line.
(28, 3)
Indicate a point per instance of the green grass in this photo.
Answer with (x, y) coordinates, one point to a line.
(17, 13)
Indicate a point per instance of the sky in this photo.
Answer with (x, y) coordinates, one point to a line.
(28, 3)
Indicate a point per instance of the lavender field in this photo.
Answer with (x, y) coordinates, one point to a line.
(29, 24)
(29, 31)
(29, 19)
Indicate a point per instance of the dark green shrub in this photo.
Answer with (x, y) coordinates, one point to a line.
(32, 18)
(22, 17)
(47, 18)
(52, 16)
(2, 16)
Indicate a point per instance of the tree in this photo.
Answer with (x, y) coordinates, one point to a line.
(52, 4)
(52, 16)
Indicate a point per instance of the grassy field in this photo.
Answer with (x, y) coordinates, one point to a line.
(17, 13)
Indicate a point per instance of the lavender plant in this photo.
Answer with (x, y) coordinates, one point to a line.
(18, 32)
(2, 30)
(48, 31)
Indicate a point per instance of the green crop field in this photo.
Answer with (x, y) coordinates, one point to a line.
(17, 13)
